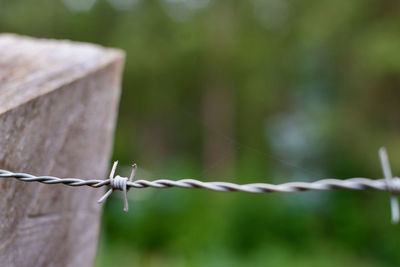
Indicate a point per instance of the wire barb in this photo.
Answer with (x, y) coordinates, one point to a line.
(119, 183)
(387, 172)
(388, 184)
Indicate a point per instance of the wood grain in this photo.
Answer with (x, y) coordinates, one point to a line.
(58, 107)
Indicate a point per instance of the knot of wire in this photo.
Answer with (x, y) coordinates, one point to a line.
(389, 184)
(119, 183)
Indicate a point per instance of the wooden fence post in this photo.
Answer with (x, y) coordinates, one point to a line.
(58, 107)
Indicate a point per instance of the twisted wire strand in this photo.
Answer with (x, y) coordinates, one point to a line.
(321, 185)
(389, 184)
(290, 187)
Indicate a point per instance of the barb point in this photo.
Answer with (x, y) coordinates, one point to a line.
(387, 172)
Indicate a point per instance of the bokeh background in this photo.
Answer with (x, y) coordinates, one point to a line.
(244, 91)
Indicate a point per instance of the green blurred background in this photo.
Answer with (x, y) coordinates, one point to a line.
(244, 91)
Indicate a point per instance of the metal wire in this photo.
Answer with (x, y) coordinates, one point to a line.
(320, 185)
(388, 184)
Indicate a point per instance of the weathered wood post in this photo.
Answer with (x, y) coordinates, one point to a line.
(58, 107)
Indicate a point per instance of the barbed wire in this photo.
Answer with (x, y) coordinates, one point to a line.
(388, 184)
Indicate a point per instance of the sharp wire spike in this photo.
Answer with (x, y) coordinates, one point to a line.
(105, 196)
(133, 173)
(114, 167)
(387, 172)
(125, 192)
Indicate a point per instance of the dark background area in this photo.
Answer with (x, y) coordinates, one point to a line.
(244, 91)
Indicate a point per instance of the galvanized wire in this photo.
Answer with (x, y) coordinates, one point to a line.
(320, 185)
(388, 184)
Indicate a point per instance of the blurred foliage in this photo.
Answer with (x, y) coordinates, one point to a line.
(244, 91)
